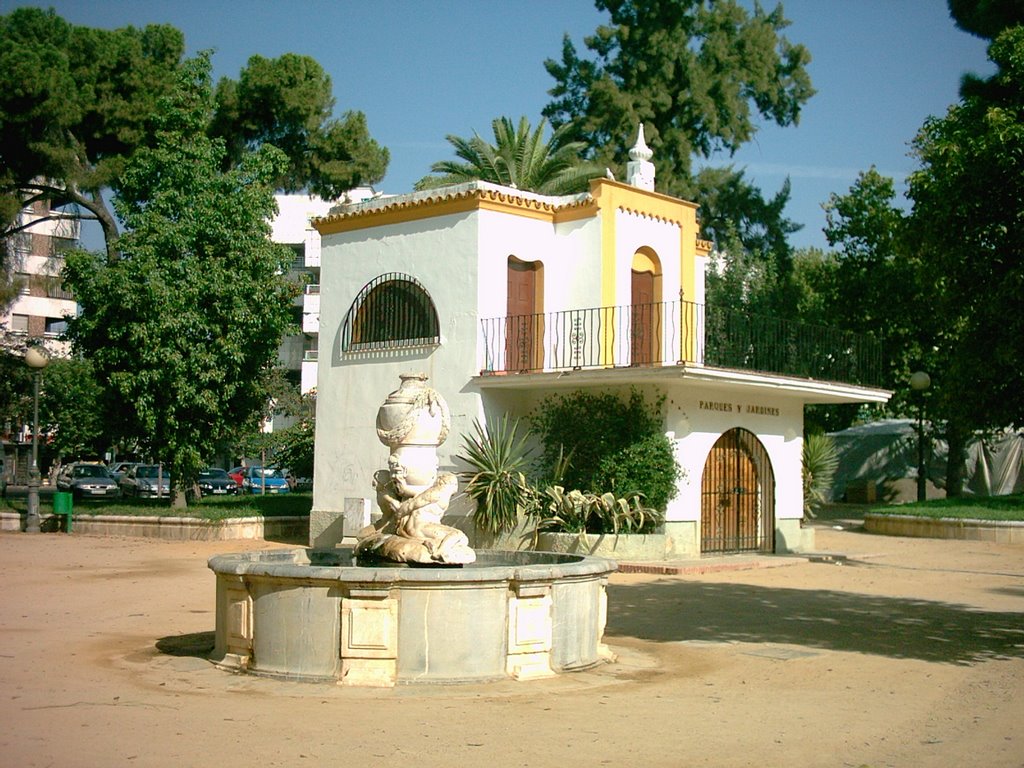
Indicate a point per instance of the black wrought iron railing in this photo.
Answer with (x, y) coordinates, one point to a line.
(676, 333)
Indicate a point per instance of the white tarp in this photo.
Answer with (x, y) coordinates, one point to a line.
(885, 453)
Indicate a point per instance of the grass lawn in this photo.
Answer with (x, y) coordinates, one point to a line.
(210, 508)
(966, 507)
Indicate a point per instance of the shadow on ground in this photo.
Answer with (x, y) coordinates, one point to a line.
(838, 621)
(198, 644)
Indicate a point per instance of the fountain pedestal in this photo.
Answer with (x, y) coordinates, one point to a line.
(314, 615)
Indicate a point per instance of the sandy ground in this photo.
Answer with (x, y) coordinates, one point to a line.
(909, 653)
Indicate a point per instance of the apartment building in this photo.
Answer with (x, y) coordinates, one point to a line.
(41, 309)
(292, 227)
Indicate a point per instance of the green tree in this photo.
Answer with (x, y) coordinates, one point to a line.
(71, 409)
(695, 72)
(865, 226)
(287, 102)
(967, 196)
(698, 74)
(184, 326)
(15, 388)
(77, 102)
(519, 157)
(873, 283)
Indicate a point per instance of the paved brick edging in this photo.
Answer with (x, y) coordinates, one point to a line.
(171, 528)
(1001, 531)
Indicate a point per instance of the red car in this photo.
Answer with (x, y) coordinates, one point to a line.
(237, 474)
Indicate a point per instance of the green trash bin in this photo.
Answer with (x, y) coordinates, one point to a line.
(62, 506)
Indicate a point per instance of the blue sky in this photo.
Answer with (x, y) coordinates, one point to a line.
(422, 70)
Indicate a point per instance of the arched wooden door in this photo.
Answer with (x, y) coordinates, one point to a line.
(738, 496)
(645, 309)
(524, 323)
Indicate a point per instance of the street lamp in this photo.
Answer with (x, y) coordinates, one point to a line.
(36, 359)
(919, 382)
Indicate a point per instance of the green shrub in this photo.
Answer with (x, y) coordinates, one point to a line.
(647, 467)
(611, 445)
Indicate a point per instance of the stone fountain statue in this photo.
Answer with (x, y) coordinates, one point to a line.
(413, 421)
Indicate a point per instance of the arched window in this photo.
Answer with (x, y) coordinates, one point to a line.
(391, 311)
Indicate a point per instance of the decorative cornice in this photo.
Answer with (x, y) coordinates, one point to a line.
(444, 201)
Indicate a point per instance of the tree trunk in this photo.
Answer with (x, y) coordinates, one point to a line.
(179, 500)
(956, 437)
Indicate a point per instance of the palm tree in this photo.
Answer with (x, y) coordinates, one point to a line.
(519, 157)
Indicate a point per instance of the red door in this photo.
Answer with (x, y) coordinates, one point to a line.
(522, 324)
(644, 316)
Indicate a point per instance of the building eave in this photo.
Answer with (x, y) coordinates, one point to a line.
(809, 391)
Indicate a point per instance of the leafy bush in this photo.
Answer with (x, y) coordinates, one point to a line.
(647, 467)
(611, 445)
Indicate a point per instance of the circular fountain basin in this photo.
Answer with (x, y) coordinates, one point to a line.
(315, 615)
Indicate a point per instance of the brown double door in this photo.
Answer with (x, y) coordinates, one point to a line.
(738, 496)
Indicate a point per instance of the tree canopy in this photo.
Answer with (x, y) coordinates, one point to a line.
(968, 198)
(694, 72)
(184, 325)
(698, 74)
(520, 157)
(77, 102)
(942, 284)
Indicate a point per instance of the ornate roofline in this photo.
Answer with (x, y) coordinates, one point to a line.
(458, 198)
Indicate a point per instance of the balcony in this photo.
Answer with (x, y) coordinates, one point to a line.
(677, 333)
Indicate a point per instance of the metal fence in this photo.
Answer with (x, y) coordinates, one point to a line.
(675, 333)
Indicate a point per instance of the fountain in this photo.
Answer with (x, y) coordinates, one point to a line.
(411, 601)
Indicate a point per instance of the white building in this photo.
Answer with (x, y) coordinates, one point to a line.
(503, 297)
(41, 309)
(292, 227)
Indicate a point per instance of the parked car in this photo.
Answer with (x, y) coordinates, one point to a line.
(118, 468)
(84, 480)
(264, 480)
(238, 475)
(216, 482)
(146, 480)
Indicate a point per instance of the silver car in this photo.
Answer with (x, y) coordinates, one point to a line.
(146, 481)
(84, 480)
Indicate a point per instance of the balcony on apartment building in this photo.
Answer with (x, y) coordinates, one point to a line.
(311, 309)
(677, 333)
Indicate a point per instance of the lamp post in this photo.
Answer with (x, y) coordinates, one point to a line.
(36, 359)
(919, 382)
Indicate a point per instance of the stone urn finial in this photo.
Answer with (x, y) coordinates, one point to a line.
(414, 414)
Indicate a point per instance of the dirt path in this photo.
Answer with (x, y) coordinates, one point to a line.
(910, 653)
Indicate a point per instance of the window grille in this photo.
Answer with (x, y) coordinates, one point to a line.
(391, 311)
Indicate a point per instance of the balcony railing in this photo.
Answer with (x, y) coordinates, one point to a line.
(676, 333)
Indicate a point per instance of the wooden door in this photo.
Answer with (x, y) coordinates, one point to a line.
(523, 324)
(737, 496)
(644, 317)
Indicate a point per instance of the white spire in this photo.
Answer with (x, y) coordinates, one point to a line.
(640, 169)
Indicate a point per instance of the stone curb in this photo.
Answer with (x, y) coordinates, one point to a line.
(170, 528)
(693, 568)
(1000, 531)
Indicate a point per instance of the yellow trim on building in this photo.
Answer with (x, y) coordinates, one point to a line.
(404, 209)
